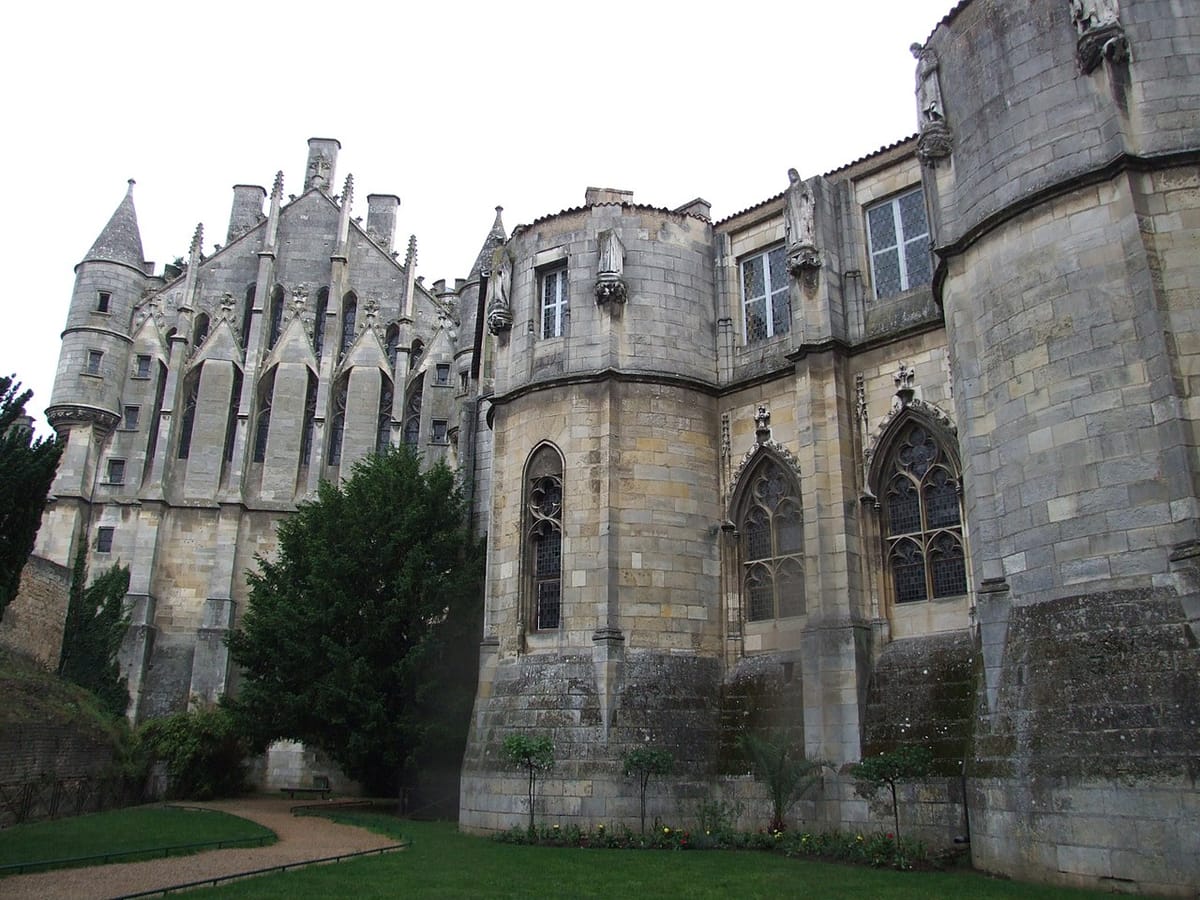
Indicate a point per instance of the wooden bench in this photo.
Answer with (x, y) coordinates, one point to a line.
(320, 786)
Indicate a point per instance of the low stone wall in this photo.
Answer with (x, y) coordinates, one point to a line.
(33, 623)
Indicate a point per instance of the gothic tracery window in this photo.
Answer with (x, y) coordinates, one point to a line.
(337, 424)
(412, 414)
(349, 314)
(922, 518)
(771, 525)
(383, 432)
(543, 537)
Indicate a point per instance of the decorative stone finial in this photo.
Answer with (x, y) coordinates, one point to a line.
(762, 422)
(277, 188)
(348, 191)
(197, 240)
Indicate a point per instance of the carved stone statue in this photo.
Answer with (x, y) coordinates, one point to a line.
(798, 218)
(1089, 14)
(799, 224)
(935, 141)
(499, 312)
(929, 89)
(319, 168)
(610, 285)
(1100, 33)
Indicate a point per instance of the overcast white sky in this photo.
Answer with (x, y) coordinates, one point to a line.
(454, 107)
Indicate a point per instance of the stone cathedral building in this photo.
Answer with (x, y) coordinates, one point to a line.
(904, 453)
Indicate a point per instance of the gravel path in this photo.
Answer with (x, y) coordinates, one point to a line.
(300, 838)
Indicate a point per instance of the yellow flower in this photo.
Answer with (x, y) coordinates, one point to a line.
(859, 838)
(666, 830)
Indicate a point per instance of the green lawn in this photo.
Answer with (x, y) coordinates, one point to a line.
(148, 828)
(443, 863)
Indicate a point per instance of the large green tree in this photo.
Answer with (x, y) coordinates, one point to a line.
(361, 636)
(27, 469)
(95, 627)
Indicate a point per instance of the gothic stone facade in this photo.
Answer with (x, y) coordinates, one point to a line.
(904, 453)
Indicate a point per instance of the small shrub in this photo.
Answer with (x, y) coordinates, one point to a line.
(642, 764)
(906, 763)
(533, 754)
(781, 765)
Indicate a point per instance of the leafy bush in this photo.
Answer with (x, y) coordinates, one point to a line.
(203, 750)
(780, 764)
(876, 849)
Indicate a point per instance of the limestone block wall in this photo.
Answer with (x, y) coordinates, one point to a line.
(1060, 219)
(33, 622)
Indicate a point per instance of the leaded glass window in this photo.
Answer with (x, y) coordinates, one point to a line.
(412, 414)
(766, 305)
(922, 518)
(543, 513)
(554, 302)
(898, 233)
(262, 423)
(235, 403)
(349, 314)
(309, 427)
(188, 420)
(383, 434)
(276, 316)
(337, 424)
(771, 525)
(319, 322)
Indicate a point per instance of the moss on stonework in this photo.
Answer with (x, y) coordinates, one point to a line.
(922, 691)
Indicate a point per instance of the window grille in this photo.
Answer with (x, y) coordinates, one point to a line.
(898, 234)
(766, 305)
(543, 513)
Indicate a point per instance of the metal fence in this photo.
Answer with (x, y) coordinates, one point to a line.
(48, 797)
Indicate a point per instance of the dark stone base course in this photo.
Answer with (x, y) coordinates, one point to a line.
(1086, 771)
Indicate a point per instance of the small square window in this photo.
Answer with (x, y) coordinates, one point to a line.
(443, 373)
(142, 369)
(103, 299)
(554, 302)
(94, 358)
(104, 539)
(116, 471)
(132, 415)
(439, 431)
(898, 234)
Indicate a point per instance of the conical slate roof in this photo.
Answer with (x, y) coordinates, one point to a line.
(496, 237)
(120, 241)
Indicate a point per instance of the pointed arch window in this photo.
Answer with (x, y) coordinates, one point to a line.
(235, 403)
(262, 422)
(319, 324)
(383, 434)
(543, 537)
(922, 516)
(188, 420)
(310, 419)
(247, 313)
(414, 353)
(392, 345)
(337, 425)
(349, 313)
(771, 527)
(412, 415)
(276, 316)
(200, 331)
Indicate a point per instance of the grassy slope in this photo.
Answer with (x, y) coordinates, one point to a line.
(29, 694)
(445, 864)
(140, 828)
